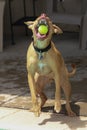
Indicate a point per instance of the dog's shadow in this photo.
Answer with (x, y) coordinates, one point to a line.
(74, 107)
(60, 118)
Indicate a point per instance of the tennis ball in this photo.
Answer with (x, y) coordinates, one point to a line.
(43, 29)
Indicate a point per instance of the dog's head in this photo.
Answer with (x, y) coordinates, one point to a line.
(48, 30)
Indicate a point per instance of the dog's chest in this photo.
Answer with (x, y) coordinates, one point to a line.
(43, 68)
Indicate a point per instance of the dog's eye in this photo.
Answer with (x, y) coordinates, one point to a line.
(38, 25)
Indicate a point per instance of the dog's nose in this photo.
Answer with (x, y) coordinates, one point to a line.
(43, 15)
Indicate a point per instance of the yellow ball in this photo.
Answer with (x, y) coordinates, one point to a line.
(43, 29)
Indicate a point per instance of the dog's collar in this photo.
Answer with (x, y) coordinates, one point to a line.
(40, 51)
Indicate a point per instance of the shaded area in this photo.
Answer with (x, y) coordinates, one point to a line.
(74, 107)
(14, 90)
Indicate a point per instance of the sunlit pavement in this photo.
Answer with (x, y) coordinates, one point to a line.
(16, 119)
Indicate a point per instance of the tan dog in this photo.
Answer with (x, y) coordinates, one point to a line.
(44, 64)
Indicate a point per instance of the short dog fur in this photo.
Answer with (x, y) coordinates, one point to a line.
(44, 64)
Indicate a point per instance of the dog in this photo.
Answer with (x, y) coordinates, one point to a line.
(45, 64)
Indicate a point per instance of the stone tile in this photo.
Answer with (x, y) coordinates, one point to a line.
(23, 119)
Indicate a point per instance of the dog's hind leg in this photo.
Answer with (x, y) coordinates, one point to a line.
(40, 92)
(43, 98)
(67, 91)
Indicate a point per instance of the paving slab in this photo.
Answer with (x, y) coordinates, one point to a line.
(15, 119)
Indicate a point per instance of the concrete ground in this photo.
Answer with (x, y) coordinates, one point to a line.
(15, 98)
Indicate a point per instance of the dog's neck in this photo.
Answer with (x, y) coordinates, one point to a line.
(41, 44)
(41, 50)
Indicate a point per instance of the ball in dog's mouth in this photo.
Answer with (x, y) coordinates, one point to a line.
(42, 29)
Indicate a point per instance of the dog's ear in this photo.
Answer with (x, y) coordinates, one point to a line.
(29, 24)
(57, 29)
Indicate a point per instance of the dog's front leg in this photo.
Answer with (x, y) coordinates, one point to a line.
(57, 107)
(36, 106)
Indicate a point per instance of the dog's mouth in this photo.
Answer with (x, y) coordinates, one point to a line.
(42, 29)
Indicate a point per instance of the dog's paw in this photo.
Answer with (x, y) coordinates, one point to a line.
(37, 113)
(36, 110)
(57, 107)
(71, 113)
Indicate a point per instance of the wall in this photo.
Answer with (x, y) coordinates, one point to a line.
(70, 6)
(17, 12)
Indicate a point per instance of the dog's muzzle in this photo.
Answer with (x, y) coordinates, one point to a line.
(40, 36)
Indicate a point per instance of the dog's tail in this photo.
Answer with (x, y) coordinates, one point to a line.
(70, 74)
